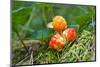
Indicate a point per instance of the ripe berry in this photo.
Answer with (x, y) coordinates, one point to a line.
(69, 34)
(59, 23)
(57, 42)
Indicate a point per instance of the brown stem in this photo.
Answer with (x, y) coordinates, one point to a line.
(21, 41)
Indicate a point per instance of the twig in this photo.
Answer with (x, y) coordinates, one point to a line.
(22, 60)
(21, 41)
(31, 58)
(38, 57)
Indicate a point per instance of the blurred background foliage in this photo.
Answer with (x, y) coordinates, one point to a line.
(29, 22)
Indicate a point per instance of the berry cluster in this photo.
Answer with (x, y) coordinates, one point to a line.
(68, 34)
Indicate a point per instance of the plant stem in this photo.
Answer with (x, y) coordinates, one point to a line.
(21, 41)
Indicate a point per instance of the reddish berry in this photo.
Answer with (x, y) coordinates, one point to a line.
(57, 42)
(69, 34)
